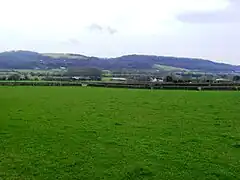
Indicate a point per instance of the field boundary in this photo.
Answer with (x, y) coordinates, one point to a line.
(164, 86)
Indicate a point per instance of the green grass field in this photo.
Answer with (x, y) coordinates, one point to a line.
(120, 134)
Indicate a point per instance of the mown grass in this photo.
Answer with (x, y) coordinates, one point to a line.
(96, 133)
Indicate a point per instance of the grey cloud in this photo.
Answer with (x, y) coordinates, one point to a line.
(74, 41)
(95, 27)
(99, 28)
(229, 15)
(234, 2)
(111, 30)
(214, 17)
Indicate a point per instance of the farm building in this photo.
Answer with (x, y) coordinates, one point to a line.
(118, 79)
(157, 80)
(222, 80)
(80, 78)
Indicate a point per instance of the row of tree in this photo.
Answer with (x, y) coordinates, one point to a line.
(18, 77)
(202, 78)
(96, 74)
(70, 74)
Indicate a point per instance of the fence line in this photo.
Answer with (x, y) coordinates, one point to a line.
(142, 85)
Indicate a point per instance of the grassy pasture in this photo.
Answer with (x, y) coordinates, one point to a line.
(97, 133)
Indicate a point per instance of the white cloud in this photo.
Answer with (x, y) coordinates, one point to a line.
(73, 15)
(135, 26)
(229, 14)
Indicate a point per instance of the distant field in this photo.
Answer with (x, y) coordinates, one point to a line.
(168, 68)
(100, 133)
(62, 55)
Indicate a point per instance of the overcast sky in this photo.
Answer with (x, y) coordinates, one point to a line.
(107, 28)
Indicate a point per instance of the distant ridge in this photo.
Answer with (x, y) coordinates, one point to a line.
(33, 60)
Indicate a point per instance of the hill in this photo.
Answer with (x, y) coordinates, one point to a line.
(34, 60)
